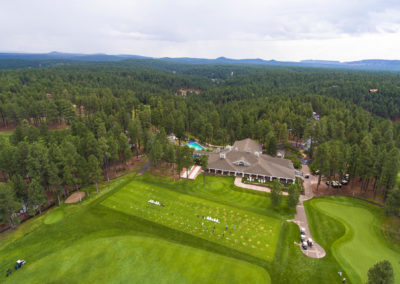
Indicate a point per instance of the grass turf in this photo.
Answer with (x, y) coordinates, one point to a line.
(239, 229)
(90, 242)
(127, 259)
(362, 244)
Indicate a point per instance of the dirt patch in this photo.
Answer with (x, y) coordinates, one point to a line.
(164, 168)
(75, 197)
(352, 189)
(121, 169)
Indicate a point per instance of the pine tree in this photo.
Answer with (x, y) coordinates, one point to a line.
(204, 166)
(293, 196)
(276, 194)
(94, 170)
(37, 196)
(8, 204)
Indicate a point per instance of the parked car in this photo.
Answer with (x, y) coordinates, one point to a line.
(307, 176)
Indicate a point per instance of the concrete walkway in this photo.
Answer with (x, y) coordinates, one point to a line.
(316, 251)
(239, 183)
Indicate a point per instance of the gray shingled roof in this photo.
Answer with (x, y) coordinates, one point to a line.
(258, 163)
(246, 144)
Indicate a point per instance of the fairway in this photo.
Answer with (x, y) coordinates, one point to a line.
(93, 242)
(245, 231)
(362, 244)
(137, 259)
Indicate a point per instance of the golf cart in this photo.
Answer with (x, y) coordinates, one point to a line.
(336, 184)
(310, 242)
(19, 263)
(307, 176)
(304, 245)
(302, 231)
(302, 238)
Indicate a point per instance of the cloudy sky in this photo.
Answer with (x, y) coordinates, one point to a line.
(269, 29)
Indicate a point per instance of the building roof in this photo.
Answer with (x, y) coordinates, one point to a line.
(247, 145)
(245, 156)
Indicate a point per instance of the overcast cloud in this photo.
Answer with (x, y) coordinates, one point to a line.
(268, 29)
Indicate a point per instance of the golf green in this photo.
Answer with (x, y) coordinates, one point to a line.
(235, 228)
(129, 259)
(363, 243)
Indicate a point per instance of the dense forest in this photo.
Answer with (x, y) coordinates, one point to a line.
(116, 110)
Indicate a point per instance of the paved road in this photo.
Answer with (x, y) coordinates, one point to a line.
(316, 251)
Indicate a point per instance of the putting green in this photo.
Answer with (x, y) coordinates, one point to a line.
(130, 259)
(242, 230)
(363, 244)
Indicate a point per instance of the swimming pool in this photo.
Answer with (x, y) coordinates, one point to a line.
(195, 146)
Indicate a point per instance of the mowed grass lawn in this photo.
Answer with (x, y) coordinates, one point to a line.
(363, 243)
(245, 231)
(130, 259)
(93, 242)
(89, 242)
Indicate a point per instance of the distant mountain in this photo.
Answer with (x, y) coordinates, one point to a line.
(370, 64)
(68, 56)
(20, 60)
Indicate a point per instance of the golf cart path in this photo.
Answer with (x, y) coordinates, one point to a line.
(316, 251)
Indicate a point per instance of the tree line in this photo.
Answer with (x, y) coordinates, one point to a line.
(115, 112)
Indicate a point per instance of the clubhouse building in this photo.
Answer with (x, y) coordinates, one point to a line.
(245, 159)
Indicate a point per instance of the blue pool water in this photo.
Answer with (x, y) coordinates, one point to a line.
(195, 146)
